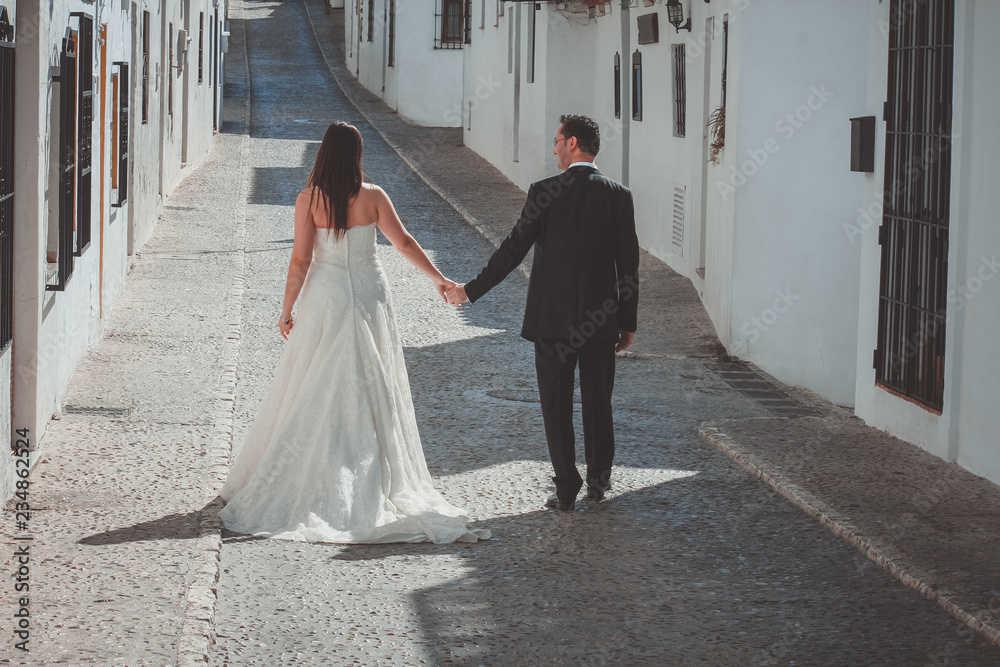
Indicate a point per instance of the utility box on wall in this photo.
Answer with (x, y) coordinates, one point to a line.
(863, 144)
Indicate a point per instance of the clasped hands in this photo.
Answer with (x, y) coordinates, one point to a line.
(453, 293)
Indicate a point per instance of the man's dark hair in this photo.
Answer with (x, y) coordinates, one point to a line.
(585, 129)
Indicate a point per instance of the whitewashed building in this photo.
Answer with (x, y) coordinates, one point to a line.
(777, 226)
(113, 100)
(425, 86)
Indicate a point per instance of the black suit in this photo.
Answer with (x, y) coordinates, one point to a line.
(584, 287)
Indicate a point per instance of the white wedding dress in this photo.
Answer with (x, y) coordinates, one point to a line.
(334, 454)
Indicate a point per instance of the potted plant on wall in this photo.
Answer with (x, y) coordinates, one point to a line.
(717, 131)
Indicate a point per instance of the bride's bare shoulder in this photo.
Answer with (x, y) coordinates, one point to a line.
(370, 190)
(309, 192)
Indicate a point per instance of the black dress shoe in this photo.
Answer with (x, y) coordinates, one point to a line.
(595, 494)
(555, 502)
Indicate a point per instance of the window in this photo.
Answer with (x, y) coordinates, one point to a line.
(201, 47)
(913, 296)
(145, 67)
(60, 247)
(119, 133)
(170, 72)
(680, 90)
(371, 20)
(392, 33)
(618, 85)
(468, 21)
(85, 130)
(637, 85)
(530, 70)
(725, 56)
(510, 45)
(6, 180)
(450, 24)
(211, 46)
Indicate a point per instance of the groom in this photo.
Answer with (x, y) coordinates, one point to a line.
(582, 300)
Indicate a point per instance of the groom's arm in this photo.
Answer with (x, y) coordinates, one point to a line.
(627, 266)
(512, 251)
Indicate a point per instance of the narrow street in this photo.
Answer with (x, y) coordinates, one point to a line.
(691, 560)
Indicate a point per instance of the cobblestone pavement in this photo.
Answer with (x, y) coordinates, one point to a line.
(691, 560)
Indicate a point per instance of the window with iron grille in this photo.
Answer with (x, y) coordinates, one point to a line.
(637, 85)
(468, 21)
(170, 72)
(85, 130)
(6, 180)
(680, 91)
(145, 67)
(618, 85)
(392, 33)
(201, 47)
(371, 20)
(61, 247)
(909, 357)
(119, 134)
(449, 21)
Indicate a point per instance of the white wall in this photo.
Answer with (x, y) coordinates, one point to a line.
(425, 84)
(490, 89)
(54, 329)
(567, 79)
(161, 142)
(795, 272)
(976, 200)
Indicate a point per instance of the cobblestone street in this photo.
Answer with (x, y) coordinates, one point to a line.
(690, 561)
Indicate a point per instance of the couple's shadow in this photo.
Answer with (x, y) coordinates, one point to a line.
(588, 516)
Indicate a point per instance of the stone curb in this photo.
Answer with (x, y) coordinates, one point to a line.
(886, 556)
(198, 633)
(438, 190)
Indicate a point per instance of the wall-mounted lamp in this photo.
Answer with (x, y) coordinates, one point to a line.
(675, 14)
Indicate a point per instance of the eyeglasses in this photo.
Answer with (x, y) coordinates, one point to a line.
(555, 142)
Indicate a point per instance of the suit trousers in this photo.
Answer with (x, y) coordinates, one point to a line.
(555, 364)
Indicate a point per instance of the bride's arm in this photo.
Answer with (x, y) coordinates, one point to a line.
(302, 250)
(392, 227)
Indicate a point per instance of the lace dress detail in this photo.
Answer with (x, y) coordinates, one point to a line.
(334, 454)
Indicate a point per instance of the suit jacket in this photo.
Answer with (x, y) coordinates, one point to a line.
(585, 274)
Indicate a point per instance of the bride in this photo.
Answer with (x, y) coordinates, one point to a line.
(334, 454)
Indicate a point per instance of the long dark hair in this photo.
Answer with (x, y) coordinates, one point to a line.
(337, 174)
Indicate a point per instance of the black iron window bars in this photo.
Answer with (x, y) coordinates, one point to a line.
(85, 130)
(67, 166)
(119, 135)
(451, 21)
(680, 90)
(909, 357)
